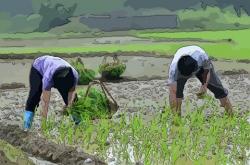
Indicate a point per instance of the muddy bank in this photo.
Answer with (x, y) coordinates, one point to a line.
(69, 42)
(235, 72)
(13, 85)
(39, 147)
(4, 160)
(139, 68)
(89, 54)
(244, 61)
(10, 155)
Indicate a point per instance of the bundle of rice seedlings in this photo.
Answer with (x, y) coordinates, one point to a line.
(112, 70)
(85, 75)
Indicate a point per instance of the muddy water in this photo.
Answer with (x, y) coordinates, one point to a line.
(138, 67)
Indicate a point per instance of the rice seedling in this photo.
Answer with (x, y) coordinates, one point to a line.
(93, 106)
(112, 70)
(85, 75)
(166, 138)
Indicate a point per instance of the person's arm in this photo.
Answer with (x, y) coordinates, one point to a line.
(45, 98)
(205, 76)
(205, 80)
(71, 96)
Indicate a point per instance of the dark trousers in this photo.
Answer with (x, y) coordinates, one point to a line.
(214, 84)
(63, 84)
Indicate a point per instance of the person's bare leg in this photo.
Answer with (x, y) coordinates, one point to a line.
(225, 102)
(172, 97)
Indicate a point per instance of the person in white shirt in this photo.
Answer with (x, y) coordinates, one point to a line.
(192, 61)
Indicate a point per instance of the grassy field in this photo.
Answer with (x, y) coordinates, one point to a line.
(219, 44)
(231, 44)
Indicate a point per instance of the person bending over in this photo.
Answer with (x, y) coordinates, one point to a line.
(47, 72)
(192, 61)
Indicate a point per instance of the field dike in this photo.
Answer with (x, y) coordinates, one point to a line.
(37, 146)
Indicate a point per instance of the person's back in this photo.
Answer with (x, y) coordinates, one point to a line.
(193, 51)
(48, 65)
(196, 52)
(51, 63)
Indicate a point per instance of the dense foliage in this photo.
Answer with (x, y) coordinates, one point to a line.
(85, 75)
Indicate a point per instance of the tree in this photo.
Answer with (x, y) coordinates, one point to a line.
(54, 15)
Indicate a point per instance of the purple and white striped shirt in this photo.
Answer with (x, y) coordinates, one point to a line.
(48, 65)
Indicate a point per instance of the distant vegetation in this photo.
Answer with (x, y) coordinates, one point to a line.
(45, 15)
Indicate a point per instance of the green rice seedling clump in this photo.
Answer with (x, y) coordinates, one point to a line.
(112, 70)
(163, 139)
(93, 106)
(85, 75)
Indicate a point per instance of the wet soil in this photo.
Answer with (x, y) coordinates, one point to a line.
(145, 97)
(143, 88)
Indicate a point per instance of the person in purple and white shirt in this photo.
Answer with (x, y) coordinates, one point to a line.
(192, 61)
(47, 72)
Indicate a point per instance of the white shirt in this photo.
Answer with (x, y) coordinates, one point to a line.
(195, 52)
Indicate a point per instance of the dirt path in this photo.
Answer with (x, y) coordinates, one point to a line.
(71, 42)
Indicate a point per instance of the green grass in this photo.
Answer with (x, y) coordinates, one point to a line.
(217, 50)
(163, 48)
(238, 48)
